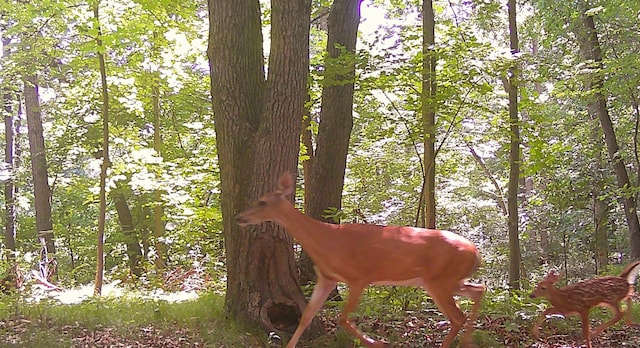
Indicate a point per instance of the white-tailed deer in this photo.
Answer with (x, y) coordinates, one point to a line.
(361, 254)
(579, 298)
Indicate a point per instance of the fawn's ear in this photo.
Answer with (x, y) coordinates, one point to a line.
(285, 184)
(553, 276)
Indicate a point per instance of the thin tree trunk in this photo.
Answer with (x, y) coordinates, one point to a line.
(601, 210)
(429, 85)
(597, 105)
(105, 160)
(542, 232)
(41, 190)
(514, 156)
(158, 210)
(9, 187)
(327, 164)
(499, 194)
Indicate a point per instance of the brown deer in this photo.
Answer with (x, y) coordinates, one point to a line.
(579, 298)
(361, 254)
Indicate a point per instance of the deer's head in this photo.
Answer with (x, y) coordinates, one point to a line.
(542, 290)
(267, 207)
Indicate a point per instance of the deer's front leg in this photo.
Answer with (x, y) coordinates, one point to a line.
(586, 327)
(535, 331)
(320, 293)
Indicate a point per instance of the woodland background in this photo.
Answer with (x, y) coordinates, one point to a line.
(135, 130)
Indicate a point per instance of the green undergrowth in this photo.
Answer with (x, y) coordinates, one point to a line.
(402, 316)
(198, 322)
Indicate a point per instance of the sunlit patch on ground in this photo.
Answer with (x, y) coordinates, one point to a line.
(81, 293)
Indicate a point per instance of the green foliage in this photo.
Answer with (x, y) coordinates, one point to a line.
(145, 43)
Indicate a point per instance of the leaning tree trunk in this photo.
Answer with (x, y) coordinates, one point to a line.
(325, 177)
(257, 126)
(41, 190)
(131, 240)
(597, 105)
(514, 156)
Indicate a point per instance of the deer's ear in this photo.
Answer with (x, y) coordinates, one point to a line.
(285, 184)
(554, 276)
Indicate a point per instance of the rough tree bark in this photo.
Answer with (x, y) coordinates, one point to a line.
(257, 124)
(514, 156)
(325, 170)
(597, 105)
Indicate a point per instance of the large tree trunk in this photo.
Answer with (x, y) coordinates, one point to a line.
(258, 136)
(597, 105)
(514, 156)
(324, 178)
(42, 192)
(429, 112)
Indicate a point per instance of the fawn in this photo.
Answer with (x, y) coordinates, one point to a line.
(579, 298)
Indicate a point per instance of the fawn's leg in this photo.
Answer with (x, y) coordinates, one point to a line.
(616, 318)
(586, 327)
(535, 330)
(627, 313)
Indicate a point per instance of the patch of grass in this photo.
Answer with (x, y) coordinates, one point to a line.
(138, 321)
(49, 324)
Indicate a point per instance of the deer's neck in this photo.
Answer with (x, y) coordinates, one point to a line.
(560, 298)
(309, 232)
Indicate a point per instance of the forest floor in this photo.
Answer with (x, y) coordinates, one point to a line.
(414, 330)
(197, 319)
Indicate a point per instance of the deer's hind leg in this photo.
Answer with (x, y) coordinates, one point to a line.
(617, 315)
(442, 292)
(474, 292)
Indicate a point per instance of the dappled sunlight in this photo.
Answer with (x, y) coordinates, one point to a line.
(114, 289)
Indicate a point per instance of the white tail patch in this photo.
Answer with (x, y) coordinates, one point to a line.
(633, 274)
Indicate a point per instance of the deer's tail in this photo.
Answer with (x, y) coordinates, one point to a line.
(631, 272)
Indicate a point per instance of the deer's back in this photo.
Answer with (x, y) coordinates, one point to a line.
(590, 293)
